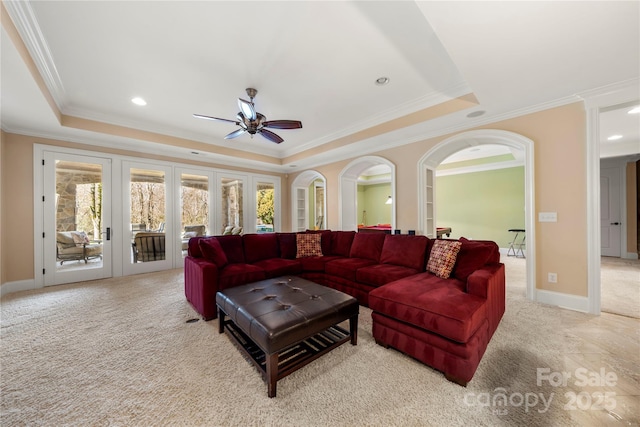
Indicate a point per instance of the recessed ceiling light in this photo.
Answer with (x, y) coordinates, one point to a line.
(614, 137)
(476, 114)
(381, 81)
(139, 101)
(634, 110)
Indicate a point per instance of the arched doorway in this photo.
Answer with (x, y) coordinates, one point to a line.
(519, 144)
(309, 186)
(348, 197)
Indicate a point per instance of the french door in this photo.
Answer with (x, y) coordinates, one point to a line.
(77, 218)
(148, 232)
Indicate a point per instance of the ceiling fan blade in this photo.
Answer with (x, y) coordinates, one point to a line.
(247, 108)
(283, 124)
(235, 133)
(271, 136)
(200, 116)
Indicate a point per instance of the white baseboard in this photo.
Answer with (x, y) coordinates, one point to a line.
(562, 300)
(631, 255)
(20, 285)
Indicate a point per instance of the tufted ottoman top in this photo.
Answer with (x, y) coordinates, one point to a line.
(276, 313)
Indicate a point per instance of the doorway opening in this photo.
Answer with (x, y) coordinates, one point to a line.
(520, 146)
(309, 204)
(349, 211)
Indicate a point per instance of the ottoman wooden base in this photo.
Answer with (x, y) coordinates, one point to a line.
(282, 324)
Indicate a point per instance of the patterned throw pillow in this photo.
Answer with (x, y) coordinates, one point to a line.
(308, 244)
(443, 257)
(80, 237)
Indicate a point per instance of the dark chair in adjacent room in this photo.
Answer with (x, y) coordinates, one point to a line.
(148, 246)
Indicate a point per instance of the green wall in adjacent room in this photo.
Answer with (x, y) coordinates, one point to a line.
(372, 198)
(482, 205)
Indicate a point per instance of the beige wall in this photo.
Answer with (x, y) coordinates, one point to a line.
(17, 216)
(559, 137)
(16, 237)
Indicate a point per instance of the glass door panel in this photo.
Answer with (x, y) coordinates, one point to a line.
(77, 218)
(265, 207)
(146, 218)
(231, 205)
(194, 208)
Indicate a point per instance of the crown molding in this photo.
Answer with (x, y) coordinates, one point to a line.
(27, 25)
(399, 138)
(144, 147)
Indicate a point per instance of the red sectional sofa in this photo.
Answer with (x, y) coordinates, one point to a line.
(444, 322)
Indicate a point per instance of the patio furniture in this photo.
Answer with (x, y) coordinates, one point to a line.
(76, 246)
(148, 246)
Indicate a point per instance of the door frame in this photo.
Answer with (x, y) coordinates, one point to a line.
(522, 145)
(595, 101)
(129, 268)
(41, 225)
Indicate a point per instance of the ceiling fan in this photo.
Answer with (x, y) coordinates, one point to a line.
(253, 122)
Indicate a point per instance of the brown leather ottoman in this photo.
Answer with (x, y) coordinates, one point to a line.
(284, 323)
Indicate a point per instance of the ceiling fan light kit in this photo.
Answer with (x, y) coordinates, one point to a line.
(252, 122)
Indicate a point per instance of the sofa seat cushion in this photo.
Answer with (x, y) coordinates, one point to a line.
(381, 274)
(239, 274)
(347, 267)
(275, 267)
(431, 303)
(316, 263)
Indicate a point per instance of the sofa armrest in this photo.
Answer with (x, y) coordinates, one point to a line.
(201, 285)
(489, 282)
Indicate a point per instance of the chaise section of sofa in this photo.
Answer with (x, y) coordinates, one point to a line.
(445, 323)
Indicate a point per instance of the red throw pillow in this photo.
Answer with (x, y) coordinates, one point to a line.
(471, 257)
(212, 251)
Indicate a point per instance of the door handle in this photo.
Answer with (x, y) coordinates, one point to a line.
(615, 223)
(108, 233)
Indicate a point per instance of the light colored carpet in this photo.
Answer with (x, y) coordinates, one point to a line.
(620, 286)
(120, 352)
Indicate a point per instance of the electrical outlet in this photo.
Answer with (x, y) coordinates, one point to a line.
(552, 278)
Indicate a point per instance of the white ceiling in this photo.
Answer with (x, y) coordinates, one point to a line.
(311, 61)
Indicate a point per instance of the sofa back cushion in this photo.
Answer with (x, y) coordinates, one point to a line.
(233, 248)
(193, 247)
(287, 244)
(473, 255)
(404, 250)
(341, 242)
(367, 246)
(260, 246)
(212, 251)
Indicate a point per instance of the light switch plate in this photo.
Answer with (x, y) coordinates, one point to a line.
(547, 216)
